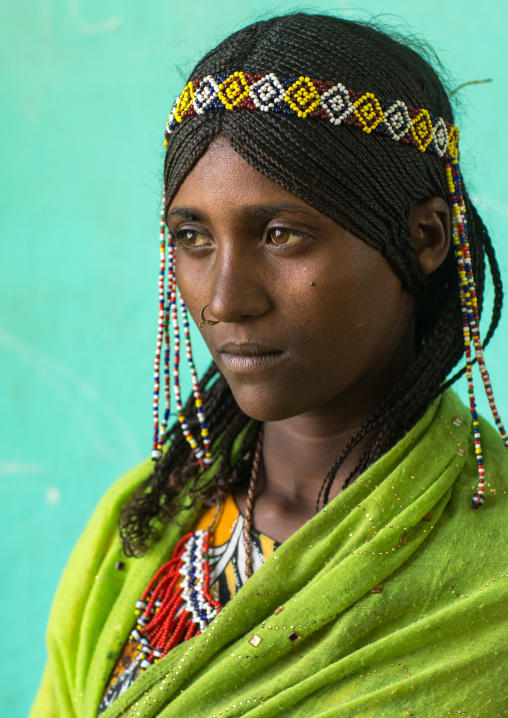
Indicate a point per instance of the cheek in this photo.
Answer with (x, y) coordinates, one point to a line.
(348, 323)
(192, 284)
(195, 286)
(348, 303)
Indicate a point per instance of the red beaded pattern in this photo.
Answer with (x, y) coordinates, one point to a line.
(176, 604)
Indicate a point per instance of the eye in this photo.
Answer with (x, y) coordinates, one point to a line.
(283, 236)
(190, 238)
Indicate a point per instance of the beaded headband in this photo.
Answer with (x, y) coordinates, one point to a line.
(320, 100)
(332, 102)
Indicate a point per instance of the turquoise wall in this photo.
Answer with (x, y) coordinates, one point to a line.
(86, 89)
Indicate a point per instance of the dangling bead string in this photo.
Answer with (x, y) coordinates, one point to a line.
(205, 435)
(470, 320)
(467, 319)
(468, 289)
(168, 312)
(475, 320)
(157, 448)
(170, 260)
(198, 451)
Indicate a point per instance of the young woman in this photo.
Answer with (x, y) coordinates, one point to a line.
(307, 542)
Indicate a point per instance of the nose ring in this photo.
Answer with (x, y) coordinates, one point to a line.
(207, 322)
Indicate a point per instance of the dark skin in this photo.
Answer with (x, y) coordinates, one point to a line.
(315, 326)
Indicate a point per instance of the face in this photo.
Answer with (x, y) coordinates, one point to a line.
(310, 316)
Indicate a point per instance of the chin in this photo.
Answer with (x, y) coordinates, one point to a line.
(263, 404)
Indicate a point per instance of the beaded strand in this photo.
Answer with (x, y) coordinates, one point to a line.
(475, 322)
(168, 312)
(470, 321)
(170, 284)
(205, 455)
(162, 336)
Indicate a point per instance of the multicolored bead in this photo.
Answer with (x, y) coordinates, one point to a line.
(176, 604)
(169, 299)
(470, 321)
(303, 97)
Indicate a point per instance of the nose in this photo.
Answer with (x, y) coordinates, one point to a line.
(238, 288)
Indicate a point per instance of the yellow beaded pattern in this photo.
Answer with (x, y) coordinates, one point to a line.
(302, 97)
(368, 111)
(233, 90)
(422, 130)
(184, 102)
(453, 142)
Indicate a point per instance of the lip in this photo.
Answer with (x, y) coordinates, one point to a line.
(245, 358)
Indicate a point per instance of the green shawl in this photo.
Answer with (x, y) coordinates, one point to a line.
(397, 589)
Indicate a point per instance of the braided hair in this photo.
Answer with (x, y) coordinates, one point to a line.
(366, 184)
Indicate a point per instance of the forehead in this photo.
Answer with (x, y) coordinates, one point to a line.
(224, 180)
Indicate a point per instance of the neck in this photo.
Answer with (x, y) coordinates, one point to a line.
(298, 452)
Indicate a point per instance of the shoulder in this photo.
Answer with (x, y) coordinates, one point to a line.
(457, 424)
(99, 537)
(82, 602)
(482, 529)
(101, 530)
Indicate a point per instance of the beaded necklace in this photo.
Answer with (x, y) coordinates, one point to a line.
(177, 603)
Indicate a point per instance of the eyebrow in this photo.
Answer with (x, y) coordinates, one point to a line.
(191, 215)
(272, 209)
(265, 210)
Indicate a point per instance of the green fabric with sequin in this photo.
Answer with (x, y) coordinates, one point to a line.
(395, 598)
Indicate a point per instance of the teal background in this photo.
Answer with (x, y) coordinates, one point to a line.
(86, 87)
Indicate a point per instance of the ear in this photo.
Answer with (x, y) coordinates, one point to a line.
(431, 232)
